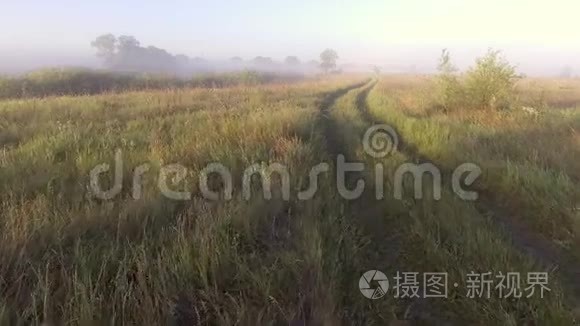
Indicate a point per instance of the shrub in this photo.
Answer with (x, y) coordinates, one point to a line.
(487, 85)
(490, 83)
(450, 92)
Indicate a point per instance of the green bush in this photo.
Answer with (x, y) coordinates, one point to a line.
(489, 84)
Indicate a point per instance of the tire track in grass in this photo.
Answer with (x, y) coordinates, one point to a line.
(535, 245)
(418, 310)
(369, 211)
(334, 145)
(370, 215)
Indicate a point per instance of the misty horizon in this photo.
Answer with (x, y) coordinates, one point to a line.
(533, 62)
(398, 37)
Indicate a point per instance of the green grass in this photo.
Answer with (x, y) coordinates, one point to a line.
(69, 258)
(528, 162)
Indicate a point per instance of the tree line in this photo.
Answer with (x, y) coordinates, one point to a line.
(125, 53)
(131, 67)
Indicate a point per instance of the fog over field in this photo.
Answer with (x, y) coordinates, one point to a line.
(532, 61)
(537, 36)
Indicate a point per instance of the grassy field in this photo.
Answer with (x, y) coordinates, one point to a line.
(70, 258)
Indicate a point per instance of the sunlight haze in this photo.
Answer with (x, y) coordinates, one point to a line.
(533, 33)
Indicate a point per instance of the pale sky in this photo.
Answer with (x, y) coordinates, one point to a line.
(374, 31)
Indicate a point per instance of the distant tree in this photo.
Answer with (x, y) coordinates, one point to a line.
(199, 60)
(567, 72)
(126, 53)
(377, 70)
(130, 56)
(328, 58)
(106, 46)
(445, 66)
(182, 59)
(292, 60)
(263, 60)
(236, 60)
(450, 92)
(127, 42)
